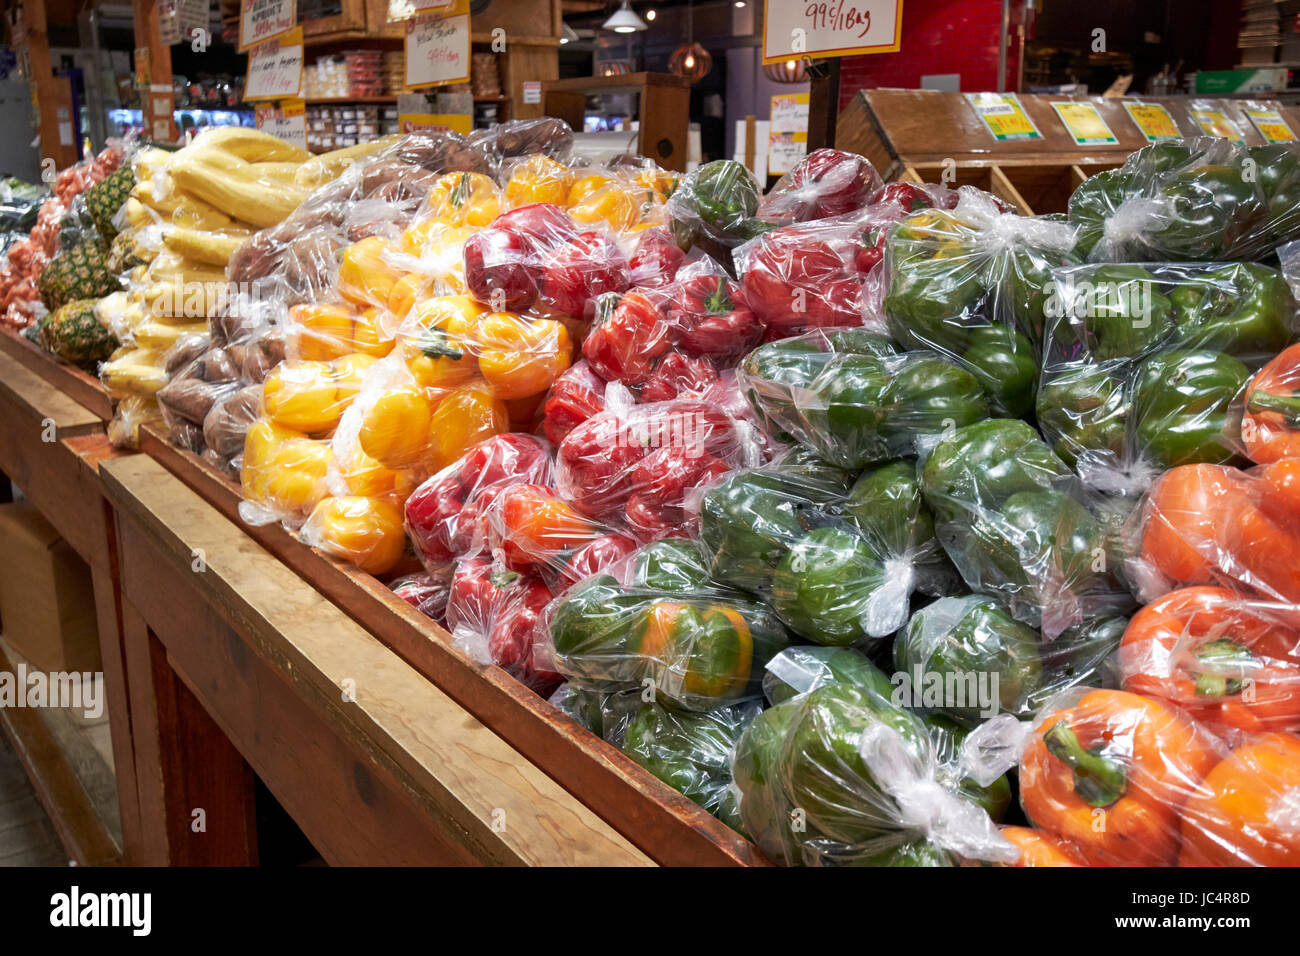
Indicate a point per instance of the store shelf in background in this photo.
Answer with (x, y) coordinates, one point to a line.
(659, 821)
(344, 100)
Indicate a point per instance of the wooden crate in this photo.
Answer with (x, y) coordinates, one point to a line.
(660, 822)
(84, 389)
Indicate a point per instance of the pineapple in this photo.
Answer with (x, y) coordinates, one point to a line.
(106, 198)
(123, 256)
(77, 273)
(75, 335)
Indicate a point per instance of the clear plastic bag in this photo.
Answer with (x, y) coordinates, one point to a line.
(825, 183)
(715, 209)
(971, 285)
(1203, 199)
(839, 776)
(850, 397)
(1016, 523)
(655, 623)
(1218, 525)
(1110, 772)
(1144, 368)
(1270, 425)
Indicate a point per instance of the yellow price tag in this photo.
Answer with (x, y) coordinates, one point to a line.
(1084, 123)
(1003, 115)
(1153, 120)
(1216, 123)
(1270, 124)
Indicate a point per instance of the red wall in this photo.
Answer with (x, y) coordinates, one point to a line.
(939, 36)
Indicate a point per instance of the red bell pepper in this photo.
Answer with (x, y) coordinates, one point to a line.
(711, 318)
(624, 346)
(826, 182)
(675, 374)
(655, 260)
(574, 397)
(579, 270)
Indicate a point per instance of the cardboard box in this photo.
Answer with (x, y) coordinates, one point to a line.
(47, 601)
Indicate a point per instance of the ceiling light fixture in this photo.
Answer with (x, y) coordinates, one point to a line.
(624, 20)
(690, 59)
(651, 14)
(568, 34)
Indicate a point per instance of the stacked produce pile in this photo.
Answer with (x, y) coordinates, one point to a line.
(889, 526)
(26, 259)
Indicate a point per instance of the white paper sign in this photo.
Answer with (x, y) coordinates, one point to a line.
(262, 20)
(288, 121)
(794, 28)
(532, 91)
(275, 69)
(437, 51)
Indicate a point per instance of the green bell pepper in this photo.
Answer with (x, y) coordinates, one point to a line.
(932, 302)
(674, 566)
(769, 375)
(824, 588)
(968, 643)
(887, 507)
(747, 527)
(801, 669)
(860, 342)
(947, 736)
(1029, 288)
(1185, 407)
(595, 619)
(927, 396)
(759, 767)
(1121, 311)
(1093, 202)
(913, 853)
(1277, 168)
(804, 473)
(1083, 409)
(714, 208)
(1212, 210)
(691, 752)
(1244, 309)
(1083, 655)
(827, 774)
(1002, 361)
(846, 414)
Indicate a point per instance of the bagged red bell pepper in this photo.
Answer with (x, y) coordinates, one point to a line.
(492, 612)
(443, 515)
(818, 274)
(826, 182)
(637, 467)
(424, 592)
(655, 259)
(574, 397)
(1229, 660)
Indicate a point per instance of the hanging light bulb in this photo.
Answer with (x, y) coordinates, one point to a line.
(624, 20)
(651, 14)
(787, 71)
(690, 59)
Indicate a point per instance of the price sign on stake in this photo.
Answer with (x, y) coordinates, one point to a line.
(437, 50)
(262, 20)
(286, 119)
(275, 68)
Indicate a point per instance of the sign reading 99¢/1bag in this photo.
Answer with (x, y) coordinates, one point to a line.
(794, 28)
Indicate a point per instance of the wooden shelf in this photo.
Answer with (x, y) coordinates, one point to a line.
(326, 100)
(621, 81)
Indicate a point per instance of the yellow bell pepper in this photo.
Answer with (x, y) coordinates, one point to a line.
(467, 416)
(365, 277)
(538, 179)
(395, 429)
(601, 198)
(321, 331)
(366, 531)
(310, 397)
(464, 199)
(404, 293)
(519, 357)
(295, 476)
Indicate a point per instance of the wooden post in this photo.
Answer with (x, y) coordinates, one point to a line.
(52, 94)
(156, 101)
(750, 151)
(824, 106)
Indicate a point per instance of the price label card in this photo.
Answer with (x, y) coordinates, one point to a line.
(1003, 116)
(461, 123)
(275, 68)
(789, 113)
(437, 50)
(1153, 121)
(1269, 122)
(286, 119)
(1084, 124)
(785, 151)
(532, 91)
(262, 20)
(1216, 123)
(405, 9)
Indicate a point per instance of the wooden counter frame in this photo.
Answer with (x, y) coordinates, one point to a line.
(662, 823)
(51, 447)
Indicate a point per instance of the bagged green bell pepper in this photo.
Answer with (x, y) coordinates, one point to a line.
(968, 658)
(714, 208)
(1111, 311)
(1003, 363)
(887, 507)
(691, 752)
(1210, 207)
(1083, 412)
(801, 669)
(1186, 410)
(595, 618)
(830, 589)
(746, 527)
(1005, 513)
(948, 736)
(673, 566)
(1244, 309)
(1278, 169)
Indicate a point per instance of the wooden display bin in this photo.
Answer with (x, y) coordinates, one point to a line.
(83, 388)
(921, 135)
(659, 822)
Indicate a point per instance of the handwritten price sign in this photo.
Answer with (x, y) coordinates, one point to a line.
(262, 20)
(287, 120)
(825, 28)
(437, 51)
(275, 68)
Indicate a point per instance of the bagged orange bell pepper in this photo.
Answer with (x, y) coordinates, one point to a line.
(366, 275)
(368, 532)
(1109, 771)
(1270, 427)
(533, 526)
(519, 357)
(1232, 662)
(1247, 810)
(1213, 524)
(1041, 849)
(599, 197)
(538, 179)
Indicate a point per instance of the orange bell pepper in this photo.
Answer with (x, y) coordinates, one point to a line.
(1111, 773)
(536, 526)
(600, 198)
(1213, 524)
(1247, 810)
(1229, 661)
(708, 649)
(395, 428)
(367, 532)
(519, 357)
(1270, 427)
(466, 416)
(1038, 848)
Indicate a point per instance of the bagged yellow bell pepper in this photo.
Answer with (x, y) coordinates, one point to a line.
(464, 199)
(598, 197)
(519, 357)
(366, 531)
(538, 179)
